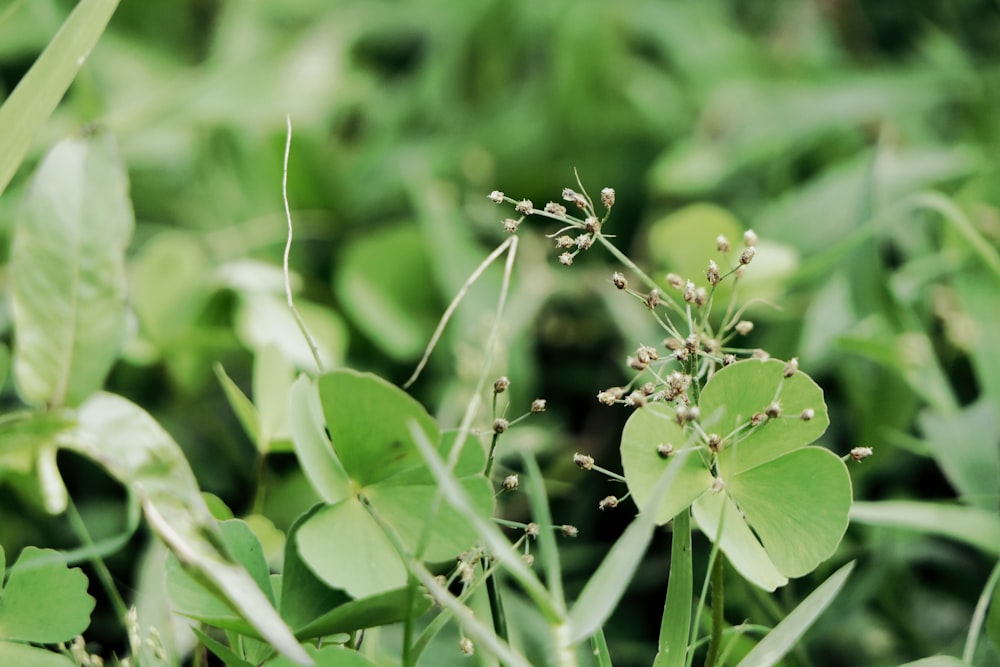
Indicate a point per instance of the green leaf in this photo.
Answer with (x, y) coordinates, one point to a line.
(134, 448)
(38, 93)
(27, 456)
(964, 445)
(787, 634)
(367, 419)
(743, 389)
(312, 447)
(737, 541)
(971, 525)
(937, 661)
(244, 410)
(384, 282)
(644, 432)
(381, 609)
(798, 506)
(304, 596)
(264, 320)
(44, 601)
(675, 624)
(23, 655)
(220, 650)
(273, 374)
(328, 656)
(68, 272)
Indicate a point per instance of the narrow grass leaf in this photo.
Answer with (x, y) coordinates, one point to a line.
(39, 91)
(675, 627)
(971, 525)
(789, 631)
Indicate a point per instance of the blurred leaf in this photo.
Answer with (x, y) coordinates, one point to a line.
(28, 444)
(40, 90)
(385, 285)
(304, 596)
(329, 656)
(937, 661)
(787, 634)
(977, 291)
(964, 444)
(68, 269)
(685, 240)
(264, 320)
(272, 380)
(44, 601)
(244, 410)
(221, 651)
(134, 448)
(970, 525)
(23, 655)
(316, 456)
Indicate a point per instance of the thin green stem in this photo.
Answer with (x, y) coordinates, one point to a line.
(602, 657)
(103, 574)
(675, 624)
(718, 600)
(496, 602)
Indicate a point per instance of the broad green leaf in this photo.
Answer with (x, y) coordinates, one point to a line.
(44, 601)
(683, 241)
(938, 661)
(23, 655)
(385, 284)
(328, 656)
(367, 418)
(798, 505)
(304, 596)
(382, 609)
(134, 448)
(644, 432)
(606, 586)
(971, 525)
(39, 91)
(68, 272)
(264, 319)
(744, 551)
(964, 444)
(788, 633)
(312, 446)
(739, 391)
(273, 375)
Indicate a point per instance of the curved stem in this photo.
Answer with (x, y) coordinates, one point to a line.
(718, 600)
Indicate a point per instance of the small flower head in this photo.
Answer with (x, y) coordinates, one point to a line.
(592, 225)
(619, 280)
(675, 281)
(575, 197)
(496, 197)
(747, 255)
(722, 244)
(501, 384)
(583, 461)
(524, 207)
(636, 399)
(728, 359)
(555, 209)
(569, 531)
(687, 414)
(714, 442)
(531, 530)
(610, 502)
(718, 485)
(807, 414)
(538, 405)
(743, 327)
(713, 276)
(566, 259)
(791, 367)
(761, 355)
(773, 411)
(500, 425)
(700, 296)
(665, 450)
(528, 559)
(565, 242)
(584, 241)
(689, 292)
(750, 239)
(757, 418)
(859, 453)
(653, 299)
(510, 225)
(510, 483)
(608, 197)
(466, 646)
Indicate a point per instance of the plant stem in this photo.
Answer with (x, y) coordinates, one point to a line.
(103, 574)
(718, 600)
(496, 602)
(979, 616)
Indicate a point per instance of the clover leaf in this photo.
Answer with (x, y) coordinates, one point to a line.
(776, 506)
(373, 478)
(44, 601)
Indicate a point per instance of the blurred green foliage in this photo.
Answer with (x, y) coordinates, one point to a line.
(858, 139)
